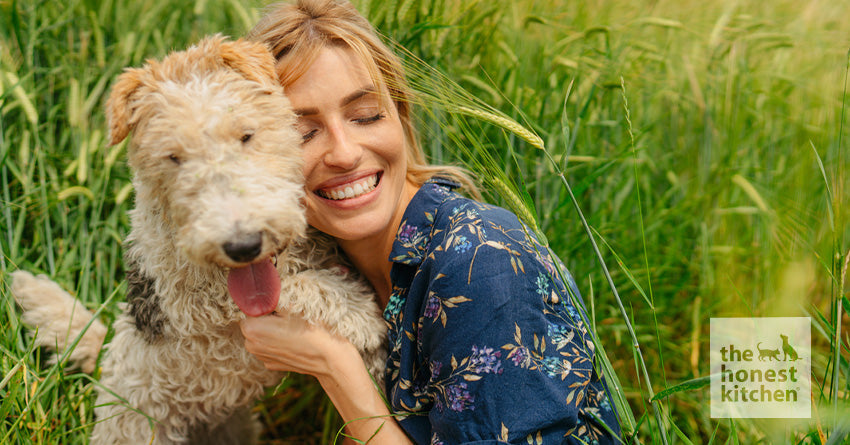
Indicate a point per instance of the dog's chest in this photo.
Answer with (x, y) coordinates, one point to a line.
(196, 367)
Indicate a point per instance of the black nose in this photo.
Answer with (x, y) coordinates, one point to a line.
(245, 248)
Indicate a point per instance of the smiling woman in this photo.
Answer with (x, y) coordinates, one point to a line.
(353, 140)
(463, 285)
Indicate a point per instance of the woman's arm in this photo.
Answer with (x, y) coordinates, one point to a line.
(285, 342)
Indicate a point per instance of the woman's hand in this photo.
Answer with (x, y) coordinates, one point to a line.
(286, 342)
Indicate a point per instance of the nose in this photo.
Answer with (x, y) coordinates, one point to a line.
(344, 151)
(244, 248)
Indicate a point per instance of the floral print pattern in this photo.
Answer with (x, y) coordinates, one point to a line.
(485, 341)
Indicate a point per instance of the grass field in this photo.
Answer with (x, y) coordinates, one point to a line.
(705, 143)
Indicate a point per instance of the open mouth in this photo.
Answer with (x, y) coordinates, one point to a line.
(352, 189)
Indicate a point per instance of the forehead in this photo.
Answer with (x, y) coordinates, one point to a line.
(335, 72)
(180, 113)
(293, 64)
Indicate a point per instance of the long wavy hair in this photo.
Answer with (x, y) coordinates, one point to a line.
(297, 32)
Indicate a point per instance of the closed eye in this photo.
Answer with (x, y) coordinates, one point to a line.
(307, 136)
(370, 119)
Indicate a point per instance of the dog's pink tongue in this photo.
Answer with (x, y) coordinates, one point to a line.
(255, 288)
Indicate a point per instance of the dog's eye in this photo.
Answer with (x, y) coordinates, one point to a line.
(174, 159)
(246, 137)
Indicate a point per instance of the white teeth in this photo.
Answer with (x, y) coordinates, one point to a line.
(351, 190)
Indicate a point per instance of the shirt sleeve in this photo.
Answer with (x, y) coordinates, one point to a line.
(510, 359)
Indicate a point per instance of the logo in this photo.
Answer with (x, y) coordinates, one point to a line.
(761, 367)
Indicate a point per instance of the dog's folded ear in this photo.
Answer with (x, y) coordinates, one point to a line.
(251, 59)
(119, 112)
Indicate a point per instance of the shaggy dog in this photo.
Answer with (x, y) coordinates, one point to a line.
(218, 232)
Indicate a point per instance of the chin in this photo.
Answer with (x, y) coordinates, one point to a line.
(355, 230)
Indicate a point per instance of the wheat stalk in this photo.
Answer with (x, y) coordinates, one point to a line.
(501, 121)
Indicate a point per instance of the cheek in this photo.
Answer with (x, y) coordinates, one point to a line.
(314, 217)
(392, 145)
(310, 158)
(400, 155)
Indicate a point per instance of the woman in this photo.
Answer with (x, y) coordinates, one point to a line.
(484, 342)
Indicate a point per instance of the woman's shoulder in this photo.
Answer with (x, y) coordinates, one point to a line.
(455, 208)
(473, 239)
(483, 237)
(443, 227)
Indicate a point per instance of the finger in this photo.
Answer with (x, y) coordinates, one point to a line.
(246, 326)
(255, 329)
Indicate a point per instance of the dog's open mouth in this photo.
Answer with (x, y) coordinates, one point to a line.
(255, 288)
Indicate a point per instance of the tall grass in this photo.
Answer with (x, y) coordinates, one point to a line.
(702, 142)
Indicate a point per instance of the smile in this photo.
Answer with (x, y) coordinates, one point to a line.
(350, 190)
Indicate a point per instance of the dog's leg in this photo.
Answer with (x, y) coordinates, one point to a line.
(117, 423)
(126, 377)
(347, 307)
(59, 318)
(133, 406)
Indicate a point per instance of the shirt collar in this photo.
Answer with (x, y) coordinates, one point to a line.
(416, 228)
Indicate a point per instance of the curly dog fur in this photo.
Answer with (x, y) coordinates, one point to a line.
(217, 174)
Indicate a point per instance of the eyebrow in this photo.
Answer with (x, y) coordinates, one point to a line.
(369, 89)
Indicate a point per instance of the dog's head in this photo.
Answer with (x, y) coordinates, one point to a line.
(216, 158)
(249, 59)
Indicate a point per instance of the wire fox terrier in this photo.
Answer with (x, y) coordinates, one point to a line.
(218, 232)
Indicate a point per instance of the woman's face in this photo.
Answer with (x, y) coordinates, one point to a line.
(353, 147)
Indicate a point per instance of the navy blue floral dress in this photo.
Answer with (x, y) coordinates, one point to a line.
(485, 345)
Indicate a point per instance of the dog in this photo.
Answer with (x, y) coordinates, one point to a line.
(218, 232)
(787, 350)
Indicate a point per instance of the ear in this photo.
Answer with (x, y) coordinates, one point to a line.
(251, 59)
(119, 113)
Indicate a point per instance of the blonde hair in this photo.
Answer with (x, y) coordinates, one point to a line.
(297, 32)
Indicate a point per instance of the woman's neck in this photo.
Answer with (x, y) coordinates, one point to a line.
(370, 255)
